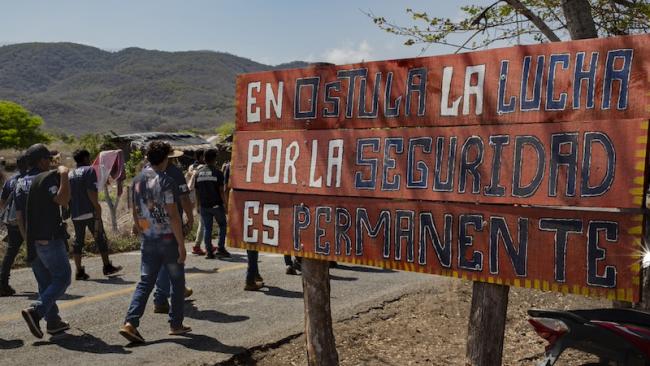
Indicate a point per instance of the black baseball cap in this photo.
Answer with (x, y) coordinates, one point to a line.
(37, 152)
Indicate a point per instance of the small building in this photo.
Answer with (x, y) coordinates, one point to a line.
(187, 142)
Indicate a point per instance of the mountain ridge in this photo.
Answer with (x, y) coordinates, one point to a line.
(81, 89)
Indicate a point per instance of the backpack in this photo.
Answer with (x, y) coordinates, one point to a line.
(8, 216)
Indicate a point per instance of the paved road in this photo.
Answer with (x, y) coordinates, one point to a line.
(226, 320)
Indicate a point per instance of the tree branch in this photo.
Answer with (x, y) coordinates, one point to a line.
(539, 23)
(625, 3)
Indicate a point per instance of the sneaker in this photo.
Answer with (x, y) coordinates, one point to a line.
(131, 334)
(32, 319)
(253, 286)
(259, 279)
(188, 292)
(57, 326)
(223, 253)
(179, 330)
(6, 290)
(161, 309)
(210, 255)
(291, 271)
(197, 250)
(110, 269)
(81, 275)
(297, 266)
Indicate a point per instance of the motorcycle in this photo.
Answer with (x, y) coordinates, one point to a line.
(616, 336)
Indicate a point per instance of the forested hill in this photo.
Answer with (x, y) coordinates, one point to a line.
(79, 89)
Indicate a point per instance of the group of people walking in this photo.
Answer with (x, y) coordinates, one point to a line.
(37, 200)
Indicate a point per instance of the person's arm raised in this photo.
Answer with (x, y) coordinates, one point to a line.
(62, 197)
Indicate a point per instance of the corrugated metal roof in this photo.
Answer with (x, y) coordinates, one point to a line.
(184, 141)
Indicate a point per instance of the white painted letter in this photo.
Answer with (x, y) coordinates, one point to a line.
(290, 162)
(277, 103)
(252, 116)
(271, 223)
(477, 89)
(275, 144)
(447, 74)
(312, 166)
(254, 158)
(248, 221)
(333, 160)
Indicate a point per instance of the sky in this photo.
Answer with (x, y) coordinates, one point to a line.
(270, 32)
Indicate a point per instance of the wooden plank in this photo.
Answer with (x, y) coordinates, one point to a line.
(582, 252)
(586, 164)
(563, 81)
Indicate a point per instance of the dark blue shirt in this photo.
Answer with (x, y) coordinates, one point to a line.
(82, 180)
(177, 175)
(181, 184)
(151, 192)
(22, 189)
(209, 183)
(9, 186)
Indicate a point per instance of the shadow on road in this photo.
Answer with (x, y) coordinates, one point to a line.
(197, 342)
(33, 296)
(363, 269)
(342, 278)
(11, 344)
(213, 315)
(198, 270)
(236, 258)
(85, 342)
(115, 280)
(280, 292)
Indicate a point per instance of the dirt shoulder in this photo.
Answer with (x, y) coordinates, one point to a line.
(428, 328)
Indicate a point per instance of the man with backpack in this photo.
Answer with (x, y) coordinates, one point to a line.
(86, 212)
(40, 195)
(14, 238)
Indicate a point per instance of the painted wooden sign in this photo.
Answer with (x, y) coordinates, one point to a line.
(523, 166)
(594, 164)
(564, 81)
(589, 252)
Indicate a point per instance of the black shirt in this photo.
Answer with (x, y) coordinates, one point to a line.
(209, 183)
(82, 180)
(35, 194)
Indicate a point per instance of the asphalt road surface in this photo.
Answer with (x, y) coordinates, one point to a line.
(225, 319)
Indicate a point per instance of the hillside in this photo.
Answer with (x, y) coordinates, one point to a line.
(80, 89)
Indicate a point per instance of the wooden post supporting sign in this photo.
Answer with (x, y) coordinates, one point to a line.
(487, 317)
(319, 336)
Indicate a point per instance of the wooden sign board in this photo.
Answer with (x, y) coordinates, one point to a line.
(590, 253)
(522, 166)
(564, 81)
(588, 164)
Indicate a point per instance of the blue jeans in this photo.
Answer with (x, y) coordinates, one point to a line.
(253, 269)
(156, 254)
(208, 215)
(163, 284)
(13, 248)
(51, 268)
